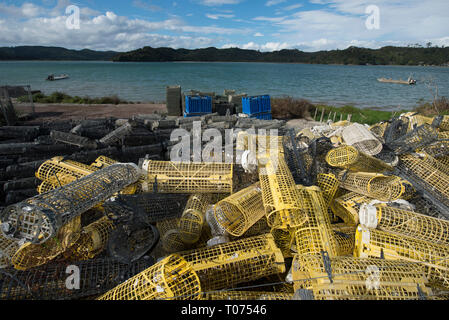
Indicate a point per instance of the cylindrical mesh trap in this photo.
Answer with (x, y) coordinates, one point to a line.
(170, 279)
(226, 265)
(349, 278)
(360, 137)
(246, 295)
(176, 177)
(404, 222)
(348, 157)
(280, 196)
(8, 248)
(240, 211)
(58, 171)
(377, 186)
(170, 236)
(193, 218)
(347, 207)
(39, 218)
(377, 243)
(316, 234)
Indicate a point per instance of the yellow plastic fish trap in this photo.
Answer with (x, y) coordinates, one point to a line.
(246, 295)
(349, 278)
(280, 196)
(437, 149)
(226, 265)
(425, 170)
(102, 162)
(417, 120)
(348, 157)
(377, 243)
(345, 239)
(170, 236)
(176, 177)
(443, 123)
(284, 240)
(329, 185)
(193, 218)
(347, 207)
(316, 234)
(377, 186)
(61, 172)
(404, 222)
(443, 135)
(240, 211)
(444, 160)
(39, 218)
(432, 162)
(33, 255)
(379, 129)
(93, 239)
(170, 279)
(7, 250)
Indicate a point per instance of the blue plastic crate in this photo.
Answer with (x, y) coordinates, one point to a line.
(197, 104)
(250, 105)
(266, 103)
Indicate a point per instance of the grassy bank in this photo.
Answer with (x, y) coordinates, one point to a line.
(290, 108)
(60, 97)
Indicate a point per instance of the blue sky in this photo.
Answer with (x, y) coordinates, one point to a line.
(265, 25)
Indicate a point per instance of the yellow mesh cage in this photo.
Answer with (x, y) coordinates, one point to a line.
(280, 196)
(193, 218)
(226, 265)
(431, 161)
(379, 129)
(170, 236)
(39, 218)
(348, 157)
(284, 240)
(377, 186)
(58, 171)
(102, 162)
(345, 239)
(260, 227)
(93, 239)
(329, 185)
(316, 234)
(246, 295)
(34, 255)
(377, 243)
(170, 279)
(443, 135)
(359, 279)
(444, 160)
(46, 187)
(176, 177)
(405, 222)
(347, 207)
(417, 120)
(240, 211)
(7, 249)
(426, 171)
(444, 124)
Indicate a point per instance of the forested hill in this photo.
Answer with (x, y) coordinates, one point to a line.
(52, 53)
(351, 55)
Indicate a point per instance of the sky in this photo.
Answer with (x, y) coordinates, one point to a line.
(265, 25)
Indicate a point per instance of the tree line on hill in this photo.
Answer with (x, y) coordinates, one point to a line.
(411, 55)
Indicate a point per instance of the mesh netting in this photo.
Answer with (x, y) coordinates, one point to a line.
(246, 295)
(193, 218)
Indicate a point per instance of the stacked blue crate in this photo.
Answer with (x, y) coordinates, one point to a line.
(198, 106)
(258, 107)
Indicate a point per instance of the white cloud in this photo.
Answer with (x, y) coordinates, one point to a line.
(213, 3)
(258, 34)
(218, 16)
(273, 2)
(27, 10)
(292, 7)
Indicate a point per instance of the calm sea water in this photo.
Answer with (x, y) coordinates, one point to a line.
(336, 85)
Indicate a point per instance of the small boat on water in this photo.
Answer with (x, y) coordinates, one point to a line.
(52, 77)
(410, 81)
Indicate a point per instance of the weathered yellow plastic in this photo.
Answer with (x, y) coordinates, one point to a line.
(102, 162)
(279, 194)
(170, 279)
(348, 157)
(170, 236)
(193, 218)
(377, 186)
(425, 169)
(329, 185)
(444, 125)
(405, 222)
(33, 255)
(7, 249)
(377, 243)
(93, 239)
(240, 211)
(316, 234)
(347, 207)
(285, 240)
(379, 129)
(246, 295)
(357, 279)
(345, 239)
(226, 265)
(176, 177)
(417, 120)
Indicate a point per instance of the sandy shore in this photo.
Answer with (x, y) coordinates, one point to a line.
(48, 112)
